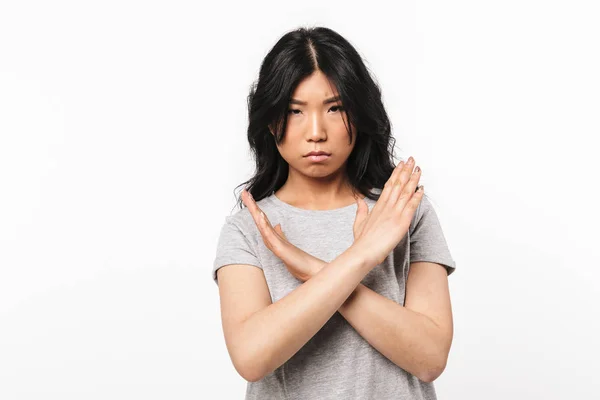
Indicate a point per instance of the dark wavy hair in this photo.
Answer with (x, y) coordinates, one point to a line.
(295, 56)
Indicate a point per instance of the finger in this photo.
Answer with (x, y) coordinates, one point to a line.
(263, 224)
(361, 215)
(362, 209)
(410, 208)
(268, 228)
(278, 242)
(254, 209)
(399, 185)
(387, 188)
(280, 231)
(251, 204)
(409, 189)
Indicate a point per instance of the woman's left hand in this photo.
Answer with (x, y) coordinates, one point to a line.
(300, 264)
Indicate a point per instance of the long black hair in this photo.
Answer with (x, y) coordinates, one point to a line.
(295, 56)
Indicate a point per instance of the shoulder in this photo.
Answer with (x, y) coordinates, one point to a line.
(243, 219)
(424, 208)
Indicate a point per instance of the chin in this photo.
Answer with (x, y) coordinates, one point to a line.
(318, 173)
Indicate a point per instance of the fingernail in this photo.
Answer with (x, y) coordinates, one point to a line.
(410, 160)
(417, 169)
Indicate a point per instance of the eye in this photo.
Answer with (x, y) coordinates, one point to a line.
(340, 108)
(291, 111)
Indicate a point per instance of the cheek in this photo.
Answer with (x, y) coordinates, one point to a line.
(286, 151)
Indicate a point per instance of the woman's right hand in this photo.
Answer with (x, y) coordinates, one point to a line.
(377, 233)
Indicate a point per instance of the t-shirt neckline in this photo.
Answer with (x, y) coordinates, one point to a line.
(289, 207)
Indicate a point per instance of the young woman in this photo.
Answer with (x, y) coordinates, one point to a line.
(333, 277)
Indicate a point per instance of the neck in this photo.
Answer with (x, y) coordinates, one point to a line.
(317, 193)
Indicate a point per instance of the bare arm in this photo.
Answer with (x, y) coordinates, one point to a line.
(417, 336)
(274, 334)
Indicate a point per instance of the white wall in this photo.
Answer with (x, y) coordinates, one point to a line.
(122, 137)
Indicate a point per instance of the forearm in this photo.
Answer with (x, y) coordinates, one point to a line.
(409, 339)
(274, 334)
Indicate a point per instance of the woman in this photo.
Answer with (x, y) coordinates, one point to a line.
(333, 278)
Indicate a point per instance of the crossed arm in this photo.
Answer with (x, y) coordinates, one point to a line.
(417, 336)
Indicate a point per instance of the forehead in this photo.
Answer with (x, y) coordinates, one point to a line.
(315, 87)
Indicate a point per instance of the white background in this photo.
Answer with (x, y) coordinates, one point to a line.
(123, 136)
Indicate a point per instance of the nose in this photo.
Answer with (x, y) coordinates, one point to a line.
(316, 130)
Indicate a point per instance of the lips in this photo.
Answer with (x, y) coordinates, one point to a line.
(317, 153)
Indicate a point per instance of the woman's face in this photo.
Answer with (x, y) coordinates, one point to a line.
(315, 122)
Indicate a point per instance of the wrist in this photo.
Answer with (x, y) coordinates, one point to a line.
(363, 252)
(317, 265)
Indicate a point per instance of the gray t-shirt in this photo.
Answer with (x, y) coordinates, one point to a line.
(336, 363)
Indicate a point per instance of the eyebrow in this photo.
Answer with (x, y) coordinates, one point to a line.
(326, 101)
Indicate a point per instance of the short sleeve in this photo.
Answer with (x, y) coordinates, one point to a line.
(427, 241)
(233, 247)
